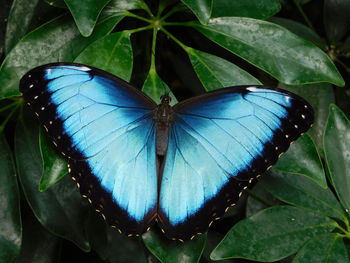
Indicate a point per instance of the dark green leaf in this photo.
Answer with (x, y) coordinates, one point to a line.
(60, 208)
(319, 95)
(10, 218)
(21, 15)
(215, 72)
(54, 165)
(310, 165)
(44, 45)
(201, 8)
(273, 49)
(302, 192)
(86, 13)
(96, 231)
(118, 6)
(39, 246)
(327, 248)
(260, 9)
(112, 53)
(259, 199)
(57, 3)
(337, 152)
(272, 234)
(168, 251)
(155, 87)
(122, 249)
(336, 18)
(299, 29)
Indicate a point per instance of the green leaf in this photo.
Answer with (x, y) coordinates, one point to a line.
(336, 18)
(39, 246)
(201, 8)
(320, 96)
(86, 13)
(57, 3)
(168, 251)
(54, 165)
(10, 217)
(60, 208)
(327, 248)
(44, 45)
(310, 165)
(155, 87)
(122, 249)
(215, 72)
(302, 192)
(273, 49)
(96, 231)
(118, 6)
(272, 234)
(337, 153)
(112, 53)
(299, 29)
(259, 9)
(21, 14)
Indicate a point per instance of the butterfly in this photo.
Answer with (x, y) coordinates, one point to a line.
(181, 166)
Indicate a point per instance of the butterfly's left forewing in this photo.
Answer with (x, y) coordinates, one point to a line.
(218, 143)
(105, 128)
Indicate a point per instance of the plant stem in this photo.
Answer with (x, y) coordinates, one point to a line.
(186, 48)
(301, 11)
(8, 106)
(172, 11)
(191, 24)
(8, 117)
(153, 55)
(129, 14)
(131, 31)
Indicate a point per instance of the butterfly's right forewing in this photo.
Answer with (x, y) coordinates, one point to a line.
(105, 128)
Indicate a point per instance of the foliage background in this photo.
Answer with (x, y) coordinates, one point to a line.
(298, 212)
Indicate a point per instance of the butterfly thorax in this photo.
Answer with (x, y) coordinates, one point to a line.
(163, 116)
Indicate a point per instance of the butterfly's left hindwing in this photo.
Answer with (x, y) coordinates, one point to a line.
(218, 143)
(105, 128)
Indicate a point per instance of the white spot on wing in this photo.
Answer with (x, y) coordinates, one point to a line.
(252, 88)
(84, 68)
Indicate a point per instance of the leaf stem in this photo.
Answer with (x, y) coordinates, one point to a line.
(8, 106)
(173, 11)
(8, 117)
(153, 55)
(346, 233)
(129, 14)
(184, 47)
(131, 31)
(191, 24)
(301, 11)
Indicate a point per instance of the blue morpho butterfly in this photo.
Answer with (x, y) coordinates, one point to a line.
(138, 162)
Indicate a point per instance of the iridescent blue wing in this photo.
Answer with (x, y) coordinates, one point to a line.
(105, 127)
(218, 143)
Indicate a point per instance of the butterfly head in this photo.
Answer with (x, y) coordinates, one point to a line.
(165, 99)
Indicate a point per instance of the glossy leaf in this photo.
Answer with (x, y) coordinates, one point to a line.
(201, 8)
(86, 13)
(336, 18)
(19, 19)
(259, 198)
(57, 3)
(260, 9)
(299, 29)
(54, 165)
(272, 234)
(118, 6)
(337, 153)
(155, 87)
(274, 49)
(10, 217)
(302, 192)
(320, 96)
(112, 53)
(327, 248)
(215, 72)
(44, 45)
(97, 234)
(122, 249)
(60, 208)
(309, 165)
(168, 251)
(39, 246)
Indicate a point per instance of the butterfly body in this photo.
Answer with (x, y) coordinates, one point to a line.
(138, 162)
